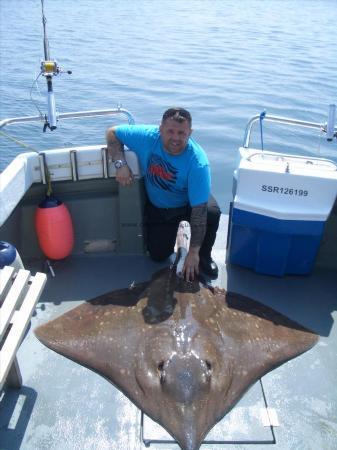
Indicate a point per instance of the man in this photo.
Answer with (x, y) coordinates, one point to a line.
(177, 182)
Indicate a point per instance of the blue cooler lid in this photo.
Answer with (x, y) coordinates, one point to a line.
(7, 254)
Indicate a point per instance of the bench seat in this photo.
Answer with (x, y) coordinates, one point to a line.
(19, 294)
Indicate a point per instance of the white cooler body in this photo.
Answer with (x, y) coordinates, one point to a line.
(280, 208)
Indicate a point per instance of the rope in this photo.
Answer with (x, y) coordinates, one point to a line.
(24, 145)
(31, 94)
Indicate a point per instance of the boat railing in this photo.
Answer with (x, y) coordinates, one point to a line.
(328, 127)
(72, 115)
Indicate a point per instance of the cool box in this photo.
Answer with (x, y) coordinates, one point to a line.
(281, 204)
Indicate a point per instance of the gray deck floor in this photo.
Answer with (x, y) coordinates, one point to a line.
(65, 406)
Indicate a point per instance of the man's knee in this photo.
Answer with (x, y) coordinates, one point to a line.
(157, 251)
(158, 256)
(213, 214)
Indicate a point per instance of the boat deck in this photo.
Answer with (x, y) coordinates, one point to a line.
(63, 405)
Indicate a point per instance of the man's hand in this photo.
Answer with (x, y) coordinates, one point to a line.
(124, 176)
(198, 230)
(191, 266)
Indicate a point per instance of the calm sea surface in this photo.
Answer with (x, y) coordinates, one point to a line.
(223, 60)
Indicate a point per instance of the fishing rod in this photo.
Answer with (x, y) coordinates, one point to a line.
(49, 69)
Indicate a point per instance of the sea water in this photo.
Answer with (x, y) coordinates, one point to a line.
(225, 61)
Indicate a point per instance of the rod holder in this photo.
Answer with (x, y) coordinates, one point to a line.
(330, 127)
(52, 120)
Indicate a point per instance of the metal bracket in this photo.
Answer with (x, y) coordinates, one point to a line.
(269, 417)
(50, 268)
(105, 162)
(270, 420)
(43, 165)
(73, 165)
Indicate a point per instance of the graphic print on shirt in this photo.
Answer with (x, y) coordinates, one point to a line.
(161, 173)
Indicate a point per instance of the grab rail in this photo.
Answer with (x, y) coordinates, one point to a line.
(72, 115)
(284, 120)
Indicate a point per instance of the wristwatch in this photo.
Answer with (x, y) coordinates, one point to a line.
(120, 163)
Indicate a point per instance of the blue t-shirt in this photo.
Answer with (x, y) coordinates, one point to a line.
(171, 181)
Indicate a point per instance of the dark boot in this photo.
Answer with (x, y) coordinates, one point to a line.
(209, 267)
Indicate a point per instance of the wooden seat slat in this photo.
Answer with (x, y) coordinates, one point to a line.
(13, 297)
(16, 321)
(6, 275)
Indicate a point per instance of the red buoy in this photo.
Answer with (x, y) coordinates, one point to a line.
(54, 228)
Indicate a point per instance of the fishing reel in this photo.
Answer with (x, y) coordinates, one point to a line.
(50, 68)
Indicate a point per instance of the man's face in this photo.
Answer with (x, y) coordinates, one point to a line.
(175, 135)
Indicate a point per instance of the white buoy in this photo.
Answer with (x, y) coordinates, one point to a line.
(9, 256)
